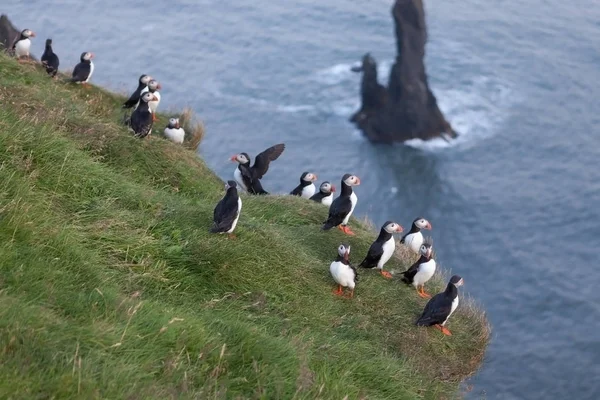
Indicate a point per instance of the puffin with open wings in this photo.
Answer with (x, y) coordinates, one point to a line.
(248, 177)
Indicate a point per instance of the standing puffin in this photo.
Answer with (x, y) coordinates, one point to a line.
(248, 177)
(135, 96)
(325, 194)
(50, 60)
(382, 248)
(84, 70)
(306, 188)
(174, 132)
(422, 270)
(141, 119)
(227, 211)
(341, 208)
(343, 273)
(414, 238)
(22, 45)
(153, 87)
(439, 309)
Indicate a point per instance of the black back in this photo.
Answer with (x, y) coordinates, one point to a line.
(438, 308)
(340, 207)
(82, 70)
(226, 210)
(50, 59)
(376, 250)
(141, 120)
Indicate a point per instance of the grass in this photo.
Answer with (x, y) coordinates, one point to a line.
(111, 285)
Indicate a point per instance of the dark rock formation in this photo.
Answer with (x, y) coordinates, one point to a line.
(8, 35)
(407, 109)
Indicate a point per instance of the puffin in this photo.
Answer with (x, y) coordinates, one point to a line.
(343, 273)
(153, 87)
(141, 119)
(248, 177)
(227, 211)
(325, 194)
(342, 207)
(135, 96)
(422, 270)
(439, 309)
(382, 248)
(174, 132)
(50, 59)
(22, 45)
(306, 188)
(84, 70)
(414, 238)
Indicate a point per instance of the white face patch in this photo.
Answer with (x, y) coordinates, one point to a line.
(146, 79)
(391, 228)
(310, 177)
(325, 187)
(147, 97)
(352, 180)
(242, 158)
(342, 250)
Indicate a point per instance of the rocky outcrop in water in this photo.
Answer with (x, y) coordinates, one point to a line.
(406, 109)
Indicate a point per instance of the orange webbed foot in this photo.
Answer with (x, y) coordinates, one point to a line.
(386, 274)
(444, 330)
(231, 235)
(350, 295)
(338, 291)
(154, 118)
(347, 230)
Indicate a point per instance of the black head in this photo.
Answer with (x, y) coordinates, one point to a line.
(350, 180)
(230, 184)
(344, 251)
(27, 33)
(308, 177)
(48, 42)
(426, 249)
(326, 187)
(456, 280)
(392, 227)
(422, 223)
(144, 79)
(86, 56)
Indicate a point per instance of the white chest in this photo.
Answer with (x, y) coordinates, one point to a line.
(22, 48)
(388, 251)
(342, 274)
(175, 135)
(237, 176)
(308, 191)
(414, 241)
(153, 104)
(91, 72)
(425, 272)
(327, 200)
(452, 309)
(353, 200)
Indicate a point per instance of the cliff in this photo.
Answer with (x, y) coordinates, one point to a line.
(407, 108)
(111, 285)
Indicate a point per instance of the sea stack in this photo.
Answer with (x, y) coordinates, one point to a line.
(406, 109)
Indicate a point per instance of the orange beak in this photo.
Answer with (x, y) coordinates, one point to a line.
(357, 180)
(177, 125)
(158, 86)
(92, 55)
(32, 34)
(428, 226)
(154, 98)
(314, 178)
(346, 255)
(399, 229)
(233, 157)
(332, 189)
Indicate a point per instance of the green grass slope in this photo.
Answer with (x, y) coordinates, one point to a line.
(112, 287)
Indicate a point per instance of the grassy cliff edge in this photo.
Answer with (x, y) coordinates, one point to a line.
(112, 287)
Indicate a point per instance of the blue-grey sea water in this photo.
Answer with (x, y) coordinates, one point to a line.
(514, 202)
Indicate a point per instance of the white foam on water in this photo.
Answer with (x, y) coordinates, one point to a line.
(476, 111)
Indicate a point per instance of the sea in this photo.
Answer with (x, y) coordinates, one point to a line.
(514, 201)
